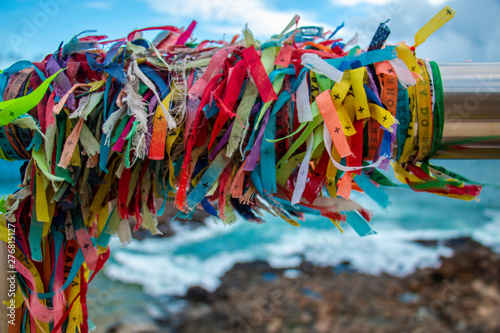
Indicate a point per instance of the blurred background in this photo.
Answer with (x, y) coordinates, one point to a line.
(272, 277)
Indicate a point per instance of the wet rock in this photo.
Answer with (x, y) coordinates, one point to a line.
(463, 295)
(197, 294)
(427, 243)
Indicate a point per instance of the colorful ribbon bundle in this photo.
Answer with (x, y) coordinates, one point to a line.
(289, 127)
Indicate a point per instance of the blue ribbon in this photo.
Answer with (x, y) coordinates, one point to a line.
(255, 176)
(377, 194)
(267, 149)
(206, 181)
(157, 79)
(336, 30)
(372, 97)
(210, 110)
(380, 37)
(302, 34)
(208, 207)
(367, 58)
(114, 69)
(403, 116)
(359, 224)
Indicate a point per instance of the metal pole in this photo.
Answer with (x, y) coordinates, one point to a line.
(472, 110)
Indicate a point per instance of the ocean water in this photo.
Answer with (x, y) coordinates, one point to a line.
(10, 176)
(161, 268)
(201, 256)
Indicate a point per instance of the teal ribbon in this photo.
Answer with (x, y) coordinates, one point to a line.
(302, 34)
(268, 150)
(359, 224)
(207, 180)
(377, 194)
(279, 203)
(403, 116)
(367, 58)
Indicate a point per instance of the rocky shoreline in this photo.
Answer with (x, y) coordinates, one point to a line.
(462, 295)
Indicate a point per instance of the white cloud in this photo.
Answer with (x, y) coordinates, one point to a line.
(471, 34)
(229, 14)
(379, 2)
(102, 5)
(357, 2)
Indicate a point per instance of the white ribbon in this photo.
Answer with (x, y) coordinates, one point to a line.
(304, 112)
(319, 66)
(327, 138)
(303, 171)
(404, 75)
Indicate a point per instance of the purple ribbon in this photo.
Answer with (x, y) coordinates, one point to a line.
(255, 152)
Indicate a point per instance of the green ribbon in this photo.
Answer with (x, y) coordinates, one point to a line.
(15, 108)
(438, 113)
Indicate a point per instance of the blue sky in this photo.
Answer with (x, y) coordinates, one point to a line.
(32, 29)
